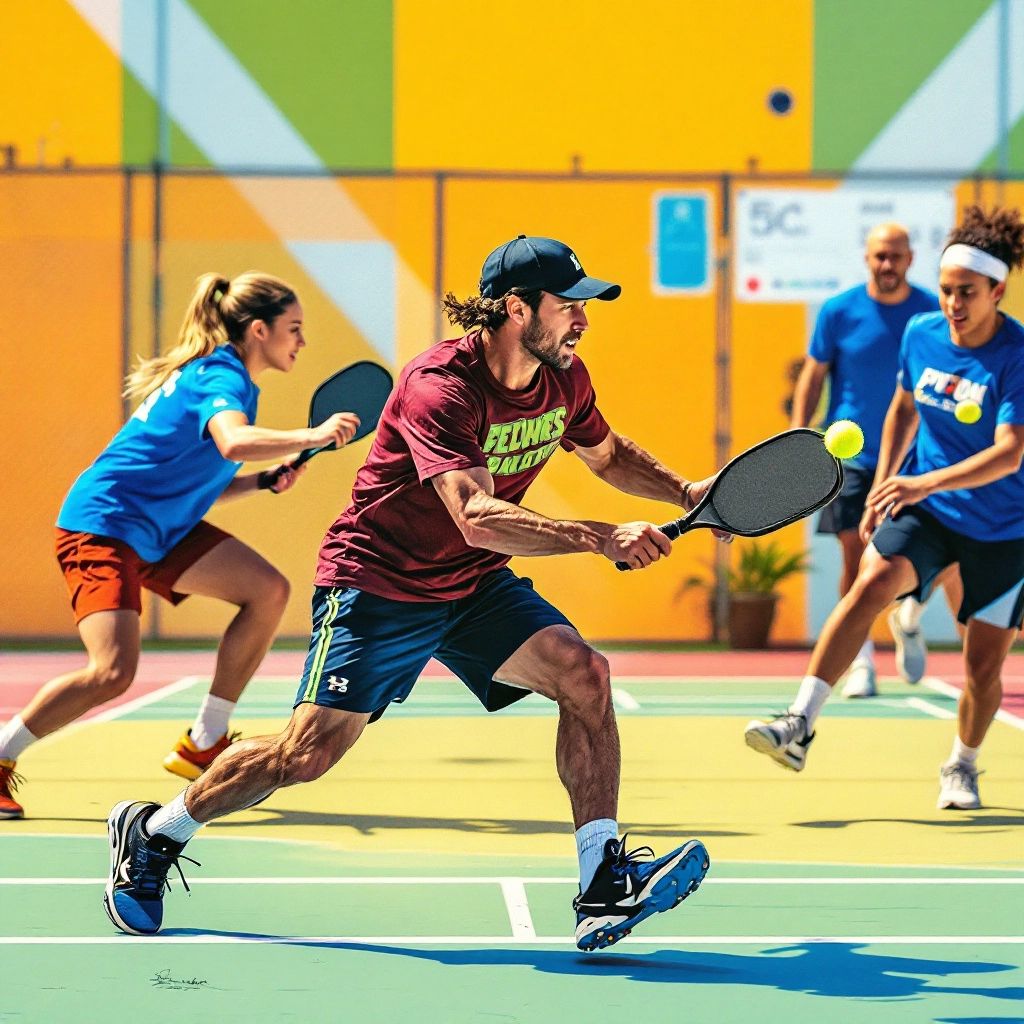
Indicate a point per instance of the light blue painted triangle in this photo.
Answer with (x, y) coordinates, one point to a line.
(360, 278)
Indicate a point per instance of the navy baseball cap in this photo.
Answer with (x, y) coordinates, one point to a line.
(544, 264)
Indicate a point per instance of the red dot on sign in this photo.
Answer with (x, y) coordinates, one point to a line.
(753, 283)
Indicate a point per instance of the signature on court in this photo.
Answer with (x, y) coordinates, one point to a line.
(163, 979)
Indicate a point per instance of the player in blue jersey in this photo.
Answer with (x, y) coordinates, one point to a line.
(958, 412)
(855, 347)
(134, 518)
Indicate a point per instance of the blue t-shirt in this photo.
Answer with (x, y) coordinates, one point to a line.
(941, 374)
(860, 339)
(162, 471)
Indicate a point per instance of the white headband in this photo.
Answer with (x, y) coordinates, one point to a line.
(970, 258)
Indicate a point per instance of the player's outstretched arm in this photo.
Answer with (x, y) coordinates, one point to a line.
(622, 463)
(240, 441)
(486, 521)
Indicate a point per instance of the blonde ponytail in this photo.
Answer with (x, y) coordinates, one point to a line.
(219, 311)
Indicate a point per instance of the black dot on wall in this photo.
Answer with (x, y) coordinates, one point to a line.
(780, 101)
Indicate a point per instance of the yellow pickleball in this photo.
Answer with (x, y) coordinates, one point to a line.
(967, 411)
(844, 439)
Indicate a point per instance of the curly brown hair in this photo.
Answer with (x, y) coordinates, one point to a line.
(489, 314)
(999, 232)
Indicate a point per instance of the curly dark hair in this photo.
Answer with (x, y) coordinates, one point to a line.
(489, 314)
(999, 232)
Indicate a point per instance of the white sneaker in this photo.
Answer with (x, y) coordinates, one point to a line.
(958, 787)
(861, 680)
(784, 739)
(911, 652)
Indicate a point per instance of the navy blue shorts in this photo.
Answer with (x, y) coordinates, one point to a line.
(992, 570)
(367, 651)
(844, 512)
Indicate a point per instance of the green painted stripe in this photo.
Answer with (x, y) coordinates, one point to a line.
(864, 69)
(323, 645)
(328, 67)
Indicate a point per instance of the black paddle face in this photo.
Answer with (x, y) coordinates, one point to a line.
(362, 388)
(771, 485)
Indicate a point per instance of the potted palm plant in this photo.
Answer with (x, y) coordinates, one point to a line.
(752, 589)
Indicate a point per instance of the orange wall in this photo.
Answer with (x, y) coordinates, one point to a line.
(59, 389)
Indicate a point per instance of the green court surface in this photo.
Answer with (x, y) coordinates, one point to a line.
(430, 876)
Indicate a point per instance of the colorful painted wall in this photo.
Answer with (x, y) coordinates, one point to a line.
(377, 92)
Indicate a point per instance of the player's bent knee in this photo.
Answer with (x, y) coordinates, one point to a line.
(110, 681)
(307, 766)
(275, 590)
(877, 586)
(584, 675)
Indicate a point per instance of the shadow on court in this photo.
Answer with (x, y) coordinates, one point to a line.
(373, 824)
(1013, 817)
(979, 1020)
(835, 970)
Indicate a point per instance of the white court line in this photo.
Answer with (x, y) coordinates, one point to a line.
(624, 699)
(929, 708)
(518, 906)
(185, 683)
(509, 940)
(948, 690)
(518, 883)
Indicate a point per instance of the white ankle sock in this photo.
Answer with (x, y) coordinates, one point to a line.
(962, 752)
(810, 699)
(173, 821)
(14, 738)
(212, 721)
(866, 653)
(590, 840)
(910, 613)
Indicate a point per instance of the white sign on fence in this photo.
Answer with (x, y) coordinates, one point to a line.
(805, 245)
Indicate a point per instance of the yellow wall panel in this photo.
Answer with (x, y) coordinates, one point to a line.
(60, 86)
(654, 84)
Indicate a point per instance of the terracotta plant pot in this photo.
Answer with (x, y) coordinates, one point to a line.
(750, 620)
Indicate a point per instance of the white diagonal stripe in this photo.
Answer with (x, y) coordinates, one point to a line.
(951, 122)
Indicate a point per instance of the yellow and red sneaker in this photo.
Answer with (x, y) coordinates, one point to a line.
(188, 761)
(9, 780)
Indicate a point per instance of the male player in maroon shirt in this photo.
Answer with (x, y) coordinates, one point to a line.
(416, 568)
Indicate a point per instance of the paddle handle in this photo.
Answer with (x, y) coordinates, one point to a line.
(671, 530)
(271, 476)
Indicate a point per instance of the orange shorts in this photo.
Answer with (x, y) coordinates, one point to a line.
(104, 574)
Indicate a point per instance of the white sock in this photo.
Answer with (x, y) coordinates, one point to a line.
(590, 841)
(173, 821)
(212, 721)
(910, 614)
(810, 699)
(962, 752)
(866, 653)
(14, 738)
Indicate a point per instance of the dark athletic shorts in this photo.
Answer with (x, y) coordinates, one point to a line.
(992, 571)
(845, 511)
(367, 651)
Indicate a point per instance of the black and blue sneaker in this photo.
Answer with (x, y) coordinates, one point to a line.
(627, 889)
(133, 898)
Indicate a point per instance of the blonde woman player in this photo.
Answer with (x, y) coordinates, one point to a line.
(958, 411)
(134, 518)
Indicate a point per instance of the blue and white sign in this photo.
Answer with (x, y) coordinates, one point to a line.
(682, 243)
(805, 245)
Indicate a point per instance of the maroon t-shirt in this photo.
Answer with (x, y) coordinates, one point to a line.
(397, 539)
